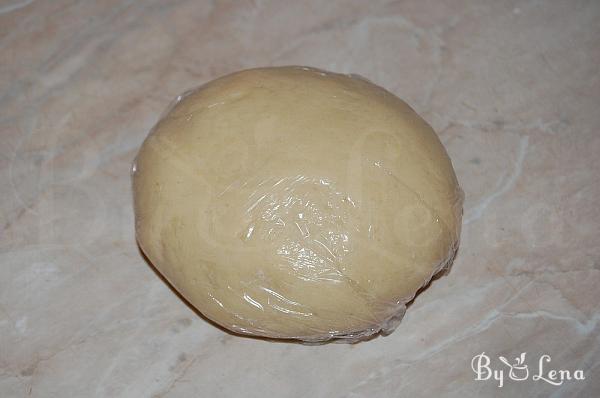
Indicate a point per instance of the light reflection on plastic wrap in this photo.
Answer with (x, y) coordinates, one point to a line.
(311, 211)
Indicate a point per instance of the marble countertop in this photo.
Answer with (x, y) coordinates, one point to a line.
(513, 89)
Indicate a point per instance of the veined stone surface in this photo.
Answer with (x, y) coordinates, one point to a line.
(512, 88)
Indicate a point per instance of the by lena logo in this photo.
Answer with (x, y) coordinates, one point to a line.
(519, 370)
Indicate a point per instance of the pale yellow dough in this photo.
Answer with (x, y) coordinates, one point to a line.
(295, 203)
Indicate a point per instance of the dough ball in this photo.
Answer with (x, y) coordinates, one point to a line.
(290, 202)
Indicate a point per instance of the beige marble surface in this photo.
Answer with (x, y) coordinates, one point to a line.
(513, 88)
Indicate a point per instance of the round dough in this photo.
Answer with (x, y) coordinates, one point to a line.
(291, 202)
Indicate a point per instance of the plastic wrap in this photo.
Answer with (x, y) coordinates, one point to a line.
(296, 203)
